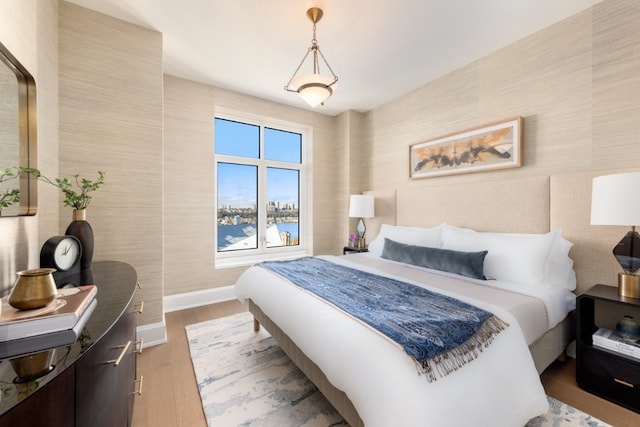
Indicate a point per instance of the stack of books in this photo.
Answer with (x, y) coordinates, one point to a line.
(57, 324)
(610, 340)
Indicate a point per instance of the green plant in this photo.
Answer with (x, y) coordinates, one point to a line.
(10, 196)
(76, 198)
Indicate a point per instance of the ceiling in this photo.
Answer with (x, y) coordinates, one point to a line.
(380, 49)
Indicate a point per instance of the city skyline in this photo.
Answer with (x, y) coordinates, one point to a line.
(237, 185)
(270, 203)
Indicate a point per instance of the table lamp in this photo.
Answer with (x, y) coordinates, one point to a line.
(614, 201)
(361, 206)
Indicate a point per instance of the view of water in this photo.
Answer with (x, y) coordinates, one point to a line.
(241, 231)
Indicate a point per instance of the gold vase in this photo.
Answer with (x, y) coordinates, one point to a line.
(33, 366)
(33, 289)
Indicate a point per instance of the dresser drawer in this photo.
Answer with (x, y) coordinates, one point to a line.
(106, 375)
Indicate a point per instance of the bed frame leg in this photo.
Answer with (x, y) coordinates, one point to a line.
(562, 357)
(256, 325)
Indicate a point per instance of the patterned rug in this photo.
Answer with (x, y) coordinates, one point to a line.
(246, 379)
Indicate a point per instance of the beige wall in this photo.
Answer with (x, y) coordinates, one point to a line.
(545, 78)
(158, 202)
(574, 83)
(577, 86)
(189, 181)
(111, 120)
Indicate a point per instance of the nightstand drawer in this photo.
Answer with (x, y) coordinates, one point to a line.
(612, 377)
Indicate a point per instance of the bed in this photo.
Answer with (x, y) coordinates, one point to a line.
(369, 378)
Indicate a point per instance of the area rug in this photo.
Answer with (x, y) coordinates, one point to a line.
(246, 379)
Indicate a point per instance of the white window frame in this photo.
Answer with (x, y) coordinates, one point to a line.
(305, 202)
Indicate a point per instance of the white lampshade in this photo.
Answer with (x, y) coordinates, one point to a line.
(313, 88)
(361, 206)
(615, 199)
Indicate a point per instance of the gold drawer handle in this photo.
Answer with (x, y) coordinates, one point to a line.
(623, 382)
(124, 348)
(139, 307)
(139, 345)
(138, 285)
(139, 391)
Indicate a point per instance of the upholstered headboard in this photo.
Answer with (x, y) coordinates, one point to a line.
(526, 205)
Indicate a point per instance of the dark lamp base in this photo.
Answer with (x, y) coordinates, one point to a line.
(629, 285)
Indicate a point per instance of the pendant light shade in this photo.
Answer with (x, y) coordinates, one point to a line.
(314, 88)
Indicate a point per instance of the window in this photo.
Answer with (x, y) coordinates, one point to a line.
(260, 175)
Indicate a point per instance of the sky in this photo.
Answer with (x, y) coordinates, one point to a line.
(237, 184)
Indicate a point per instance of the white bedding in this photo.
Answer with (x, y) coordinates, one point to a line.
(500, 388)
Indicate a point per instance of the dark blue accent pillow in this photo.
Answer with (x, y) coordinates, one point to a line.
(468, 264)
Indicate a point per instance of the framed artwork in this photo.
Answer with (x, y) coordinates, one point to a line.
(488, 147)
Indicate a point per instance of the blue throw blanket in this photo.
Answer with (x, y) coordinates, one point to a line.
(439, 332)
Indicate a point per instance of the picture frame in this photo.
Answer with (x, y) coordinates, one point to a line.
(491, 146)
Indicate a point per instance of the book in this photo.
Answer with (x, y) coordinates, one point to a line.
(610, 340)
(23, 346)
(60, 314)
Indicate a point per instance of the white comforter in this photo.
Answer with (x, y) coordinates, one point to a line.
(500, 388)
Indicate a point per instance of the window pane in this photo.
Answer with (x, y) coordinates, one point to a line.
(237, 201)
(282, 146)
(237, 139)
(283, 189)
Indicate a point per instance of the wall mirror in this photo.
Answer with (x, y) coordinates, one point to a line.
(18, 192)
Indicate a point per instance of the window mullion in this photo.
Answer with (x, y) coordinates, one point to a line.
(262, 206)
(276, 133)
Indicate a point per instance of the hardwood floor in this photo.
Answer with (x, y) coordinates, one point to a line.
(559, 381)
(170, 394)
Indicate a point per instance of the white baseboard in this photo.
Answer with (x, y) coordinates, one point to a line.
(153, 334)
(156, 333)
(198, 298)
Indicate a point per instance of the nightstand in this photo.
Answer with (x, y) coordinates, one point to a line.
(608, 374)
(353, 250)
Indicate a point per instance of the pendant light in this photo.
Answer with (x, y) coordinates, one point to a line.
(313, 88)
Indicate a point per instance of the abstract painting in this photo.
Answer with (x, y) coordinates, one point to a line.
(488, 147)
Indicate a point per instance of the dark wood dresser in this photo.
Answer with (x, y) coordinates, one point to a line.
(93, 381)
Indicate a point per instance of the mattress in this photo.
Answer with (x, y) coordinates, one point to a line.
(383, 382)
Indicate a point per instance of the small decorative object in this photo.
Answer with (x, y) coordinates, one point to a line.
(628, 329)
(62, 253)
(33, 366)
(79, 227)
(34, 289)
(362, 243)
(352, 240)
(488, 147)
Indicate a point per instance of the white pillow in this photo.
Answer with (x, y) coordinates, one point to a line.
(515, 257)
(559, 268)
(418, 236)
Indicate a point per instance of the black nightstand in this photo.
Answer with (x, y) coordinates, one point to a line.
(608, 374)
(353, 250)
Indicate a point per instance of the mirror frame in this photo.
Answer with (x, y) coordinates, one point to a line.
(27, 132)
